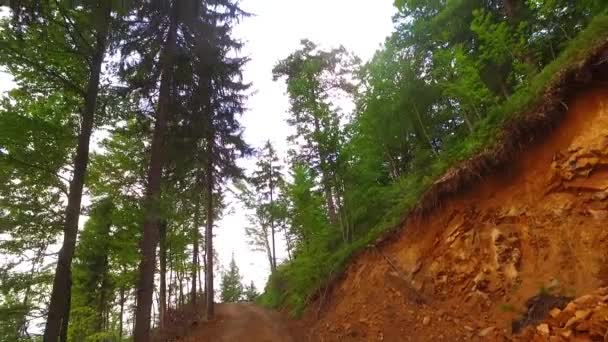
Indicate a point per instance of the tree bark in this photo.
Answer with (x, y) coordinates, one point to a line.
(273, 266)
(145, 286)
(162, 295)
(59, 306)
(210, 138)
(195, 262)
(122, 310)
(171, 278)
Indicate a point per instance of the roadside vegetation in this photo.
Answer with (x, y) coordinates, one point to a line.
(441, 91)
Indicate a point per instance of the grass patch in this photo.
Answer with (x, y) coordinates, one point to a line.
(293, 285)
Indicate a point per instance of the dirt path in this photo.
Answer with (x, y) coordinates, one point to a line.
(243, 322)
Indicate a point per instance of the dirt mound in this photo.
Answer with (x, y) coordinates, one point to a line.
(465, 271)
(584, 319)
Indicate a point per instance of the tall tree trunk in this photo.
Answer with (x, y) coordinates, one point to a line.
(162, 296)
(59, 306)
(171, 278)
(268, 248)
(329, 199)
(200, 281)
(103, 293)
(122, 310)
(180, 278)
(145, 285)
(63, 337)
(209, 293)
(195, 262)
(272, 230)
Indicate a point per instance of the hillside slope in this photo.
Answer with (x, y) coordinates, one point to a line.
(466, 270)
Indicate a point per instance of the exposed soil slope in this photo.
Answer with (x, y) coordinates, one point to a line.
(241, 322)
(583, 319)
(466, 270)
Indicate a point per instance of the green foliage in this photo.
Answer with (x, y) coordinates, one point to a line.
(231, 286)
(250, 293)
(395, 152)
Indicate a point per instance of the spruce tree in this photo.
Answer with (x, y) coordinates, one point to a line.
(250, 293)
(231, 286)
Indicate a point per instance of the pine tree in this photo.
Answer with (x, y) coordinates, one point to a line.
(250, 293)
(231, 286)
(216, 103)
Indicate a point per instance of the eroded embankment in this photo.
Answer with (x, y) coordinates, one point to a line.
(465, 271)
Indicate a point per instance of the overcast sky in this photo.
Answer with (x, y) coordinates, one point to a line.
(271, 34)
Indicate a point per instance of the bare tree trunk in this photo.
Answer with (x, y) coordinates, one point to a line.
(210, 181)
(273, 267)
(195, 262)
(171, 279)
(200, 280)
(268, 248)
(162, 296)
(63, 337)
(180, 279)
(145, 285)
(59, 306)
(122, 310)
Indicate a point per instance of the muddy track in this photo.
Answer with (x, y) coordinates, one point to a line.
(243, 322)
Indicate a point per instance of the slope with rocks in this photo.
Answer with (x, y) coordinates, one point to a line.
(468, 269)
(583, 319)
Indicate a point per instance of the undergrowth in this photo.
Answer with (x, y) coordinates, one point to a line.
(294, 284)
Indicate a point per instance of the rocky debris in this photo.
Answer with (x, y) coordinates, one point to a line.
(572, 168)
(508, 251)
(600, 196)
(426, 320)
(543, 329)
(583, 319)
(537, 308)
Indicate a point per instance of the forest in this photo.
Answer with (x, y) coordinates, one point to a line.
(121, 141)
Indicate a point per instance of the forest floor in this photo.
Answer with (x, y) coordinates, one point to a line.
(243, 322)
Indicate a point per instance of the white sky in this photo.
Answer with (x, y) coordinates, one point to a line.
(271, 34)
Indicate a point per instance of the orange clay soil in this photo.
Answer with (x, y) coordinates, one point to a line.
(464, 272)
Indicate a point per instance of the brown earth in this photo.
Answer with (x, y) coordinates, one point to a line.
(583, 319)
(241, 322)
(496, 257)
(465, 271)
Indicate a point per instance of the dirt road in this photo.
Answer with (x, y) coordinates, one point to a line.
(238, 322)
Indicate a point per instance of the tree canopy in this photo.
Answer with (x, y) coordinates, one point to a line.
(120, 146)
